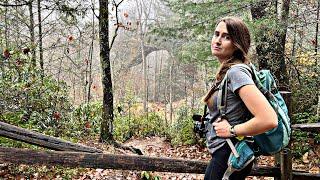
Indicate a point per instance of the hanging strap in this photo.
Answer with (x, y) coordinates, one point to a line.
(222, 96)
(205, 110)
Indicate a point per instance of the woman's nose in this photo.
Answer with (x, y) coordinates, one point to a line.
(216, 40)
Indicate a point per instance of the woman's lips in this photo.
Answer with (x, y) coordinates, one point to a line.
(216, 48)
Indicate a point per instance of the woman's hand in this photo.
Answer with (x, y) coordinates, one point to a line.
(222, 128)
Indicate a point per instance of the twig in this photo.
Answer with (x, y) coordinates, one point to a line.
(117, 23)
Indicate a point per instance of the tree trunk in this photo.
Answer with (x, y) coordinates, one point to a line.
(316, 50)
(155, 78)
(159, 79)
(90, 60)
(16, 34)
(86, 82)
(60, 66)
(107, 113)
(165, 105)
(6, 30)
(32, 38)
(293, 52)
(185, 87)
(192, 87)
(145, 73)
(273, 57)
(281, 69)
(317, 32)
(318, 107)
(74, 88)
(258, 11)
(170, 89)
(40, 38)
(90, 71)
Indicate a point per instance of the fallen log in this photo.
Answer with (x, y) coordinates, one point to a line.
(112, 161)
(24, 135)
(98, 160)
(124, 162)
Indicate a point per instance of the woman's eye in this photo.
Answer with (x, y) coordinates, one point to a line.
(227, 37)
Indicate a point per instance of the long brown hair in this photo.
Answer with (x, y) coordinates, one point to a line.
(240, 37)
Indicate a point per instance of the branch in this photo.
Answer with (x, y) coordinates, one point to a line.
(117, 23)
(14, 5)
(94, 13)
(296, 69)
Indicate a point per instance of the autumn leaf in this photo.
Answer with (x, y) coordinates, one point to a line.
(26, 50)
(120, 25)
(70, 38)
(18, 62)
(87, 125)
(57, 115)
(313, 41)
(6, 53)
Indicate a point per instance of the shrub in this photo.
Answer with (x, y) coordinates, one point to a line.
(30, 99)
(182, 130)
(85, 120)
(300, 141)
(139, 126)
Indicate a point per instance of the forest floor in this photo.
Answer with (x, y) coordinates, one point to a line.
(153, 146)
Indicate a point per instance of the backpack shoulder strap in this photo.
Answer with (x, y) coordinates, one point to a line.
(255, 78)
(222, 96)
(223, 89)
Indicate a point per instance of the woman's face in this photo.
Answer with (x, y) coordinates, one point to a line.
(221, 44)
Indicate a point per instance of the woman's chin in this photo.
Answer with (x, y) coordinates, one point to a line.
(216, 54)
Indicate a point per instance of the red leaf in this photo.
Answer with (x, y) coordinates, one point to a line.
(87, 125)
(57, 115)
(70, 38)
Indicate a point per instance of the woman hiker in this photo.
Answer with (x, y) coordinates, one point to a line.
(248, 112)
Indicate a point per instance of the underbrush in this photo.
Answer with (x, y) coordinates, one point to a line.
(40, 172)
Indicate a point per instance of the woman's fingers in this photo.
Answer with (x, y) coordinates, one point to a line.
(222, 128)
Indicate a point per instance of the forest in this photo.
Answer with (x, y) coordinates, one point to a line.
(131, 73)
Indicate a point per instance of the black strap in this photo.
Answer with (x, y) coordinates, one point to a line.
(205, 110)
(223, 99)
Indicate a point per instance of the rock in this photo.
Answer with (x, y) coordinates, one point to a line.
(305, 158)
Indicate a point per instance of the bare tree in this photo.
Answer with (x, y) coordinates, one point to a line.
(32, 36)
(107, 113)
(316, 50)
(40, 37)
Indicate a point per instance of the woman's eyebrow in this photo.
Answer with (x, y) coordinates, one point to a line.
(224, 33)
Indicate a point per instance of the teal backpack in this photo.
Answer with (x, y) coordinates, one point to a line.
(276, 139)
